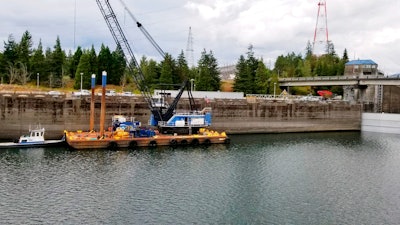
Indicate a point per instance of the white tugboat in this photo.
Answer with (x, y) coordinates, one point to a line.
(35, 138)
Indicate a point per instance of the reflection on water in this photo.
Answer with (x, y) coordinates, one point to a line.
(309, 178)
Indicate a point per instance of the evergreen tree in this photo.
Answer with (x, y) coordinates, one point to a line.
(84, 70)
(144, 64)
(18, 61)
(93, 61)
(345, 57)
(11, 50)
(288, 66)
(342, 62)
(311, 62)
(252, 66)
(149, 69)
(75, 61)
(48, 65)
(208, 78)
(38, 62)
(56, 62)
(68, 63)
(105, 62)
(246, 74)
(306, 69)
(182, 69)
(25, 49)
(117, 67)
(298, 72)
(262, 78)
(167, 69)
(241, 76)
(10, 58)
(280, 65)
(193, 72)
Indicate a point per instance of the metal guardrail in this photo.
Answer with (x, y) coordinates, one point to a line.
(340, 80)
(36, 94)
(23, 92)
(41, 94)
(352, 77)
(322, 78)
(285, 97)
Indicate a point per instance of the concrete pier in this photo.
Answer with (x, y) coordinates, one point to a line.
(381, 123)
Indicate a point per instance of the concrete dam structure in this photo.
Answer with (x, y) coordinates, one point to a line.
(20, 111)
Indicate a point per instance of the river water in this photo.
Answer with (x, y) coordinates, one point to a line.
(306, 178)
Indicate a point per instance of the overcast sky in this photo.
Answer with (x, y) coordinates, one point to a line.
(367, 29)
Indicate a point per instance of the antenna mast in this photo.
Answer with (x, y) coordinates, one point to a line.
(321, 39)
(189, 49)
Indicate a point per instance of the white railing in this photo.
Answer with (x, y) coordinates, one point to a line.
(350, 77)
(285, 97)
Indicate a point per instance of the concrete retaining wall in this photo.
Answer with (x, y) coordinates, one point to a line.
(18, 112)
(381, 122)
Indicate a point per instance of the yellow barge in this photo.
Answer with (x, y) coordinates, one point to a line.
(120, 139)
(128, 133)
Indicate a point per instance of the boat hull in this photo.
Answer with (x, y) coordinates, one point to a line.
(48, 143)
(92, 140)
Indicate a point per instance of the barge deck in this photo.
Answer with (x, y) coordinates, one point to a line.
(116, 139)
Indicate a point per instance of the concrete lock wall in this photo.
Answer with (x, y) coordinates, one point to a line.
(381, 123)
(235, 116)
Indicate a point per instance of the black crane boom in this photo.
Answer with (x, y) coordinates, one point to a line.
(123, 43)
(144, 31)
(160, 112)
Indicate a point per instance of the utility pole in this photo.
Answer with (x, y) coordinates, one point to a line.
(81, 81)
(192, 83)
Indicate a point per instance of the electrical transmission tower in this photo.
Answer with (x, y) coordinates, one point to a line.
(321, 40)
(189, 49)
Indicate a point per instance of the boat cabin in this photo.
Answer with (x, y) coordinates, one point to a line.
(35, 135)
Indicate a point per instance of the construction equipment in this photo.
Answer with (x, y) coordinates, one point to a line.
(144, 31)
(163, 115)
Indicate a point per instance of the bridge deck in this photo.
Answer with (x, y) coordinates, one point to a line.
(339, 80)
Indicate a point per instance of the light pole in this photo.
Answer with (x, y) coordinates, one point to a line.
(191, 84)
(81, 82)
(274, 89)
(37, 80)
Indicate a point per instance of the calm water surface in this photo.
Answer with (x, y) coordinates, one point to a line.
(313, 178)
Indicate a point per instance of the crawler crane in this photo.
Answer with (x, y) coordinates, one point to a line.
(163, 115)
